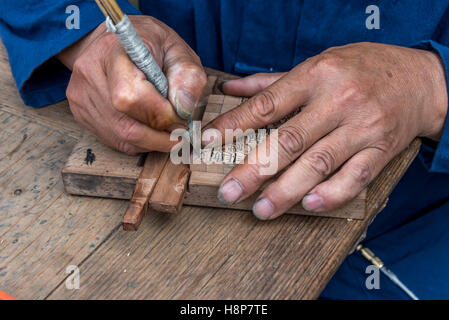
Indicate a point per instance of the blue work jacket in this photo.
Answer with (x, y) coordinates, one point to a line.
(411, 234)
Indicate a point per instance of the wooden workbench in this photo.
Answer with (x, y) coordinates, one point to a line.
(200, 253)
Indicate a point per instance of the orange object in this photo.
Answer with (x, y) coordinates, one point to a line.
(4, 296)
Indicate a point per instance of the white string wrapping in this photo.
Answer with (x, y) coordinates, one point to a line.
(139, 53)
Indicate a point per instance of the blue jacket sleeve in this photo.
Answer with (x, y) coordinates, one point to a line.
(33, 32)
(435, 156)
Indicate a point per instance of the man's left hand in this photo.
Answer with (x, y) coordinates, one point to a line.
(361, 105)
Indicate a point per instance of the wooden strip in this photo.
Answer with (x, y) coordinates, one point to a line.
(383, 185)
(152, 168)
(170, 189)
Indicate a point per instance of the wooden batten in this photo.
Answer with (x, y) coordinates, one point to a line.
(152, 169)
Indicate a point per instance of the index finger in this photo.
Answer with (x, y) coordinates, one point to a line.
(136, 97)
(270, 105)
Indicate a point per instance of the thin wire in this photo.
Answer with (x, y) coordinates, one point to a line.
(398, 282)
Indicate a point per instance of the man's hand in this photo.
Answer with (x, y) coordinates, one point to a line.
(111, 97)
(362, 104)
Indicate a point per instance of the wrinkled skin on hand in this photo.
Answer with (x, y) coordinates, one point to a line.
(362, 104)
(111, 97)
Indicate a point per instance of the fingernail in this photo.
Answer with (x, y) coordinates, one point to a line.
(210, 136)
(312, 202)
(185, 104)
(220, 86)
(230, 192)
(263, 209)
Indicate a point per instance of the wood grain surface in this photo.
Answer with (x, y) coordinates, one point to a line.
(199, 253)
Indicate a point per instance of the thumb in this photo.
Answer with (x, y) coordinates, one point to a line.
(249, 86)
(186, 78)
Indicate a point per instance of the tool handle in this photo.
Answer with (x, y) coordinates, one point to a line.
(370, 256)
(139, 53)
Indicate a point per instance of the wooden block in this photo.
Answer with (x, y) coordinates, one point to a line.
(215, 168)
(115, 175)
(170, 189)
(152, 169)
(227, 108)
(227, 168)
(111, 174)
(214, 108)
(208, 117)
(216, 163)
(215, 99)
(230, 103)
(203, 189)
(198, 167)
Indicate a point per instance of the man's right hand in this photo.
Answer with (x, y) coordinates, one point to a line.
(111, 97)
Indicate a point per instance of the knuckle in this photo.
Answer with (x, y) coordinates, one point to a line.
(321, 162)
(76, 112)
(252, 176)
(387, 144)
(231, 120)
(193, 70)
(127, 148)
(263, 106)
(381, 119)
(201, 78)
(350, 93)
(374, 119)
(198, 73)
(292, 141)
(81, 67)
(325, 63)
(335, 199)
(362, 173)
(189, 75)
(123, 99)
(127, 130)
(71, 94)
(158, 27)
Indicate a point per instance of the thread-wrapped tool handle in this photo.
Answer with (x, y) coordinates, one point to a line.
(139, 53)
